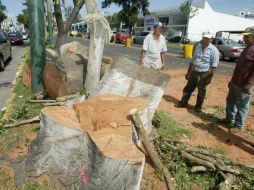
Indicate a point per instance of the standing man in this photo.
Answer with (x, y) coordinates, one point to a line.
(154, 48)
(241, 86)
(200, 72)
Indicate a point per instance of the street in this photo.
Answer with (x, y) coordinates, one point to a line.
(173, 59)
(9, 73)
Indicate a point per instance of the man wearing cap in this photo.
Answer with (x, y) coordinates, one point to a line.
(200, 72)
(154, 48)
(241, 86)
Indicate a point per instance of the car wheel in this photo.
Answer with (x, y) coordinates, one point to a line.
(1, 64)
(232, 59)
(222, 56)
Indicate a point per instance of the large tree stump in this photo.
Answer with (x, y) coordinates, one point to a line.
(126, 78)
(89, 145)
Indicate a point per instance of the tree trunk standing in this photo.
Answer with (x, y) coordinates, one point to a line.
(97, 38)
(37, 48)
(64, 27)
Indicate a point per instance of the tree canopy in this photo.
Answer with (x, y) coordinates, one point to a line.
(130, 10)
(23, 17)
(2, 12)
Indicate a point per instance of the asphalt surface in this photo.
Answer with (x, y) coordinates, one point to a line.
(173, 59)
(8, 75)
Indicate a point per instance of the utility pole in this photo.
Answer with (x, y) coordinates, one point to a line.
(50, 25)
(37, 43)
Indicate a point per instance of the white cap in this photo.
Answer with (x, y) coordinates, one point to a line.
(207, 35)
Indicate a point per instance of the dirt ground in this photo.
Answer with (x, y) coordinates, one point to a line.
(203, 125)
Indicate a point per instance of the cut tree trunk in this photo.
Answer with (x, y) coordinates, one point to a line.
(126, 78)
(97, 40)
(66, 75)
(89, 145)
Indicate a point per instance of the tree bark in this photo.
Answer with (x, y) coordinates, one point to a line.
(64, 27)
(97, 39)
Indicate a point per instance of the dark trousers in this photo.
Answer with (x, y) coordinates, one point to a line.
(196, 79)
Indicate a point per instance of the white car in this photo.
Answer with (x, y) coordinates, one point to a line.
(25, 36)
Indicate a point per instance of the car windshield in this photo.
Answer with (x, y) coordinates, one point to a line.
(230, 42)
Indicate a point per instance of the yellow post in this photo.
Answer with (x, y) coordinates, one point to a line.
(128, 42)
(188, 48)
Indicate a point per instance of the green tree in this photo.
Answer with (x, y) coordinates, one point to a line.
(2, 13)
(188, 12)
(23, 17)
(64, 26)
(130, 10)
(114, 20)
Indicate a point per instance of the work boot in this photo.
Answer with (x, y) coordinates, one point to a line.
(181, 105)
(198, 109)
(225, 122)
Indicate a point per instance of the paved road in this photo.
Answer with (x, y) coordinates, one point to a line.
(173, 59)
(8, 75)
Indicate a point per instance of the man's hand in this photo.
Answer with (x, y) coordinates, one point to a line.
(246, 89)
(187, 75)
(208, 80)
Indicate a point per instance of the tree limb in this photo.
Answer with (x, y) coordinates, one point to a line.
(149, 149)
(35, 119)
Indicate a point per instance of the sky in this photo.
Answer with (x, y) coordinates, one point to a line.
(14, 7)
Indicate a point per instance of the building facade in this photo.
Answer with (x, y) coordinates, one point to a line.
(204, 19)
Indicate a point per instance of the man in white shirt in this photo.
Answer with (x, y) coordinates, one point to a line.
(154, 48)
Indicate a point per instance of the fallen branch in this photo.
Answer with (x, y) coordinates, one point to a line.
(149, 149)
(54, 104)
(195, 169)
(198, 160)
(35, 119)
(42, 101)
(59, 99)
(68, 97)
(227, 184)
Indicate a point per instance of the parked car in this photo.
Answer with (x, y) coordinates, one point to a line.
(25, 35)
(16, 38)
(5, 49)
(179, 39)
(228, 48)
(140, 38)
(121, 37)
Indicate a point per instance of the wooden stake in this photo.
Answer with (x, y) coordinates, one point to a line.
(149, 149)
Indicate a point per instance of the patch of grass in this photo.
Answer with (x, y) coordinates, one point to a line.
(37, 186)
(168, 128)
(219, 150)
(22, 108)
(175, 45)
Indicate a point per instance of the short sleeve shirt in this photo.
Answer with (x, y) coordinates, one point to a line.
(153, 48)
(204, 61)
(245, 67)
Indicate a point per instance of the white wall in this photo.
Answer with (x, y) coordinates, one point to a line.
(207, 20)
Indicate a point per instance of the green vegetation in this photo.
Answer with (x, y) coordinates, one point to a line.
(37, 186)
(180, 168)
(168, 128)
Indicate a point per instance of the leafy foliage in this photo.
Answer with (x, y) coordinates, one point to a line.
(2, 13)
(130, 10)
(187, 10)
(23, 17)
